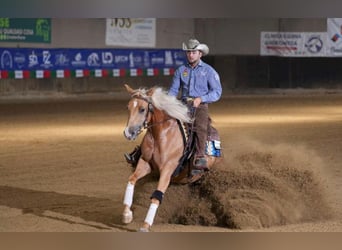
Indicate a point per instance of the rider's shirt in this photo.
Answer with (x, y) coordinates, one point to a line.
(202, 81)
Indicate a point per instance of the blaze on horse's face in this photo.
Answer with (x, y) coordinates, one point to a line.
(137, 114)
(138, 111)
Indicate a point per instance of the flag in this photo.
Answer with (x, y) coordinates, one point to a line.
(119, 72)
(101, 73)
(152, 72)
(62, 73)
(168, 71)
(136, 72)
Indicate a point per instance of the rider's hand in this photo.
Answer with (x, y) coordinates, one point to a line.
(197, 102)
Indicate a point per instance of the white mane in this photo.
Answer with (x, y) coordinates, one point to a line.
(171, 105)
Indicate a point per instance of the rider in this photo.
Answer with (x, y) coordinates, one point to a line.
(199, 84)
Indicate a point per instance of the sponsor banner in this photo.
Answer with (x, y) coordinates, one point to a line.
(91, 59)
(334, 37)
(32, 30)
(131, 32)
(293, 44)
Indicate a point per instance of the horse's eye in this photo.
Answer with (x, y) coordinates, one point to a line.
(142, 110)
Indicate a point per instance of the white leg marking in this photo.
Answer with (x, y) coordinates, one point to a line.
(128, 200)
(151, 214)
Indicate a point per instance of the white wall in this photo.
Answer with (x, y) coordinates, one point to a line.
(90, 33)
(224, 36)
(241, 36)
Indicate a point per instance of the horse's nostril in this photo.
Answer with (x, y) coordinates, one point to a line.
(134, 130)
(131, 133)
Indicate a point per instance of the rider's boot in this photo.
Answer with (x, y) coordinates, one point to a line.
(133, 157)
(201, 163)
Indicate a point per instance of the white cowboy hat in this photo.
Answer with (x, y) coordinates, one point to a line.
(194, 44)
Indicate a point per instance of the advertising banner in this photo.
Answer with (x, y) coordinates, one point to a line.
(334, 41)
(131, 32)
(85, 62)
(293, 44)
(32, 30)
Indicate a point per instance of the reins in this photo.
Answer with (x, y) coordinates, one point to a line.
(188, 145)
(150, 109)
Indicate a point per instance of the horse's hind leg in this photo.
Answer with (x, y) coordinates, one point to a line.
(143, 168)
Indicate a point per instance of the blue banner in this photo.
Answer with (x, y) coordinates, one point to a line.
(54, 59)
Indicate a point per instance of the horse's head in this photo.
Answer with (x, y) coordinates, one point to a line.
(139, 109)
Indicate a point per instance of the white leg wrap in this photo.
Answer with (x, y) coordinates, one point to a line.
(151, 214)
(128, 200)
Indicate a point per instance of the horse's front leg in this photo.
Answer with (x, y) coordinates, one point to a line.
(156, 198)
(142, 169)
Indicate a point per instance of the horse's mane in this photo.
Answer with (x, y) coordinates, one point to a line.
(171, 105)
(167, 103)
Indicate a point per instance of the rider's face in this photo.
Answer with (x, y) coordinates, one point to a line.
(193, 56)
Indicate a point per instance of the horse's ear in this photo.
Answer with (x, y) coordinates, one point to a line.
(150, 91)
(129, 89)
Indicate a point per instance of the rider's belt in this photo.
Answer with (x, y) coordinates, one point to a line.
(188, 100)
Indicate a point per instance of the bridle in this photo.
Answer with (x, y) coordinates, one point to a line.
(150, 110)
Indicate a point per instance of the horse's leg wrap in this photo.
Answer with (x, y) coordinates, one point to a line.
(158, 195)
(151, 213)
(128, 199)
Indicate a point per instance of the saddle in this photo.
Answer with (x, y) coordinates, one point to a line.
(213, 146)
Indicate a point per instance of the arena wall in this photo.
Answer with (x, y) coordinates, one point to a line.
(234, 51)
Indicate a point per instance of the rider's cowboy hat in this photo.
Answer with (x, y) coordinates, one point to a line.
(194, 44)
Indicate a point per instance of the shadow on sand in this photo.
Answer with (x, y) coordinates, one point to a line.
(100, 213)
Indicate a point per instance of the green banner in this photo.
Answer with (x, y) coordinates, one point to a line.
(30, 30)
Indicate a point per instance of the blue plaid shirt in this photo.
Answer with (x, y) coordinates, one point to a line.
(202, 81)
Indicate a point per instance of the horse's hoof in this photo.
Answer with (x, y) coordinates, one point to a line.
(143, 230)
(196, 176)
(127, 217)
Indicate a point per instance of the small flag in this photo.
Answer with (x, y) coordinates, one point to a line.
(152, 72)
(167, 72)
(63, 73)
(101, 73)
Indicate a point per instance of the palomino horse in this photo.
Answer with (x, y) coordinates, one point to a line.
(161, 148)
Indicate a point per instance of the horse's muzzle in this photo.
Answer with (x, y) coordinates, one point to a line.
(132, 133)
